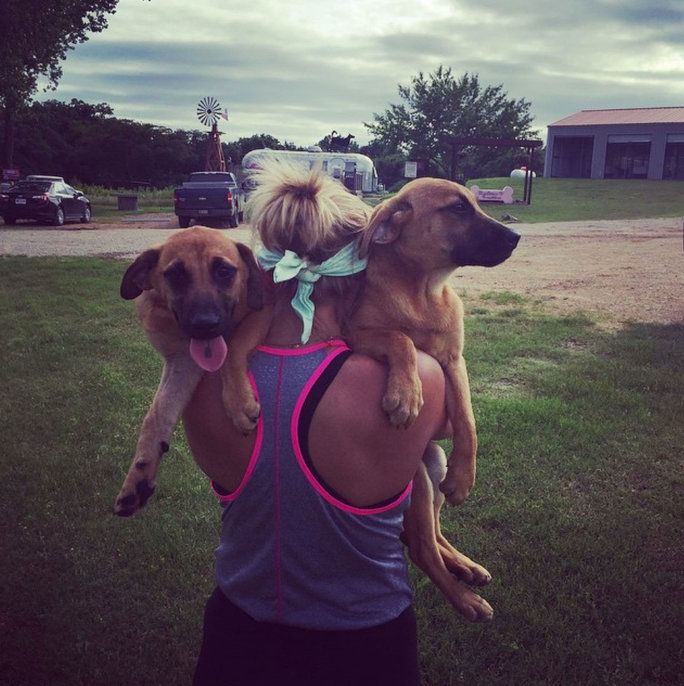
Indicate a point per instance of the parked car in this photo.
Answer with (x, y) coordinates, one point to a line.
(41, 177)
(209, 195)
(54, 202)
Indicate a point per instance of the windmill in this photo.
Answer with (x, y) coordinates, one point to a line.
(208, 112)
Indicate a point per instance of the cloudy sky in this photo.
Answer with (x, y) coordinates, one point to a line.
(298, 70)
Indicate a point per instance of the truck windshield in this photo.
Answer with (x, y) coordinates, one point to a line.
(215, 177)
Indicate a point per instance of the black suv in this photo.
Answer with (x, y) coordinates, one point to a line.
(54, 202)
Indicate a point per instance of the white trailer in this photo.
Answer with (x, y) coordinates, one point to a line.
(355, 171)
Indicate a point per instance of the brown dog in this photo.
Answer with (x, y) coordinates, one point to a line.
(191, 292)
(416, 240)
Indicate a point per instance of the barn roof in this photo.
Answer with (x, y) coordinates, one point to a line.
(638, 115)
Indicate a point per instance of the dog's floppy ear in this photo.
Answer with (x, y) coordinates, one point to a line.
(385, 223)
(255, 278)
(137, 276)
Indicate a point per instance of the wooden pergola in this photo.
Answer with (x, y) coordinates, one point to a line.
(528, 144)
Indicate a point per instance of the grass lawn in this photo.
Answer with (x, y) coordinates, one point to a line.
(577, 510)
(111, 214)
(577, 199)
(552, 199)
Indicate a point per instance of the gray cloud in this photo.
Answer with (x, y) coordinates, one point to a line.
(298, 71)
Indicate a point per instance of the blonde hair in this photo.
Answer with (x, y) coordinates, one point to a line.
(304, 210)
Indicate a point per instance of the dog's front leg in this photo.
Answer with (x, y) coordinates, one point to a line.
(403, 397)
(179, 380)
(238, 395)
(420, 536)
(460, 476)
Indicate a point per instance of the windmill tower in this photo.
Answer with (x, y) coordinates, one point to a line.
(208, 112)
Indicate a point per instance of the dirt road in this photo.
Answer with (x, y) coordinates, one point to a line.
(631, 270)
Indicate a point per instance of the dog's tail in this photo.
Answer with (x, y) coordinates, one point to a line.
(304, 210)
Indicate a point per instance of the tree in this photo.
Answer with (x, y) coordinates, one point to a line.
(388, 160)
(239, 148)
(438, 107)
(34, 38)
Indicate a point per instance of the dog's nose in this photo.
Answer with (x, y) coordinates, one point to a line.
(512, 238)
(205, 324)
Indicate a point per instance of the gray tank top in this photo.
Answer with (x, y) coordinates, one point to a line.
(291, 551)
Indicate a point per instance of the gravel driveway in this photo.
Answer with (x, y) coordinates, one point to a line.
(627, 270)
(120, 239)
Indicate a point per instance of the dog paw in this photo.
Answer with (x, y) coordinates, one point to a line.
(464, 568)
(481, 577)
(246, 417)
(242, 407)
(402, 408)
(473, 607)
(457, 485)
(455, 495)
(129, 501)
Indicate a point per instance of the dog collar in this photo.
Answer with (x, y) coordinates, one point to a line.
(288, 265)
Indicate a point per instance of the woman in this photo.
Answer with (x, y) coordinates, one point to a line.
(312, 582)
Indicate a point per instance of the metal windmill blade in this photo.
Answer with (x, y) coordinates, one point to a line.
(209, 111)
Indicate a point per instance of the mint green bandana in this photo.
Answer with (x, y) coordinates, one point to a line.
(289, 265)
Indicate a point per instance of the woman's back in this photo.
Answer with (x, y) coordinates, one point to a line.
(354, 448)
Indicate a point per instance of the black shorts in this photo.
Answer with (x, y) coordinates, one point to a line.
(239, 651)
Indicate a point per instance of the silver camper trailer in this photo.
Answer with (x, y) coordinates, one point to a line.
(355, 171)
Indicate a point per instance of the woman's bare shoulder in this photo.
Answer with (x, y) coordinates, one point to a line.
(354, 400)
(353, 445)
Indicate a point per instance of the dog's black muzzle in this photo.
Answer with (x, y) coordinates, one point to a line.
(203, 319)
(492, 245)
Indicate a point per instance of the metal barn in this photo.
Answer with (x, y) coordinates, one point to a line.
(641, 143)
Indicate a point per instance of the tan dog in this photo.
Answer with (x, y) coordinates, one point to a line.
(418, 238)
(416, 241)
(191, 292)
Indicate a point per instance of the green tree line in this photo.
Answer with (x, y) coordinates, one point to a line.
(86, 143)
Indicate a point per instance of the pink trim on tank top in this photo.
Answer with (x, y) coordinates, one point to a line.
(305, 350)
(311, 478)
(253, 458)
(251, 465)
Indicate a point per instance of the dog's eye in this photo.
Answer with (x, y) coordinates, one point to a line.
(459, 207)
(177, 277)
(224, 273)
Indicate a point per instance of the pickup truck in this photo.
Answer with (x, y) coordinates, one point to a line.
(213, 195)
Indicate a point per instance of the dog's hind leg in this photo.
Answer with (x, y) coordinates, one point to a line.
(456, 562)
(420, 536)
(179, 380)
(460, 475)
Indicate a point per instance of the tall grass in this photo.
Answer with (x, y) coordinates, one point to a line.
(577, 510)
(105, 201)
(107, 197)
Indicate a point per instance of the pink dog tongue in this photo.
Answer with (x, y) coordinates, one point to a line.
(210, 354)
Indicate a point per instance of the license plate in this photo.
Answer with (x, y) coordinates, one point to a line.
(20, 201)
(204, 211)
